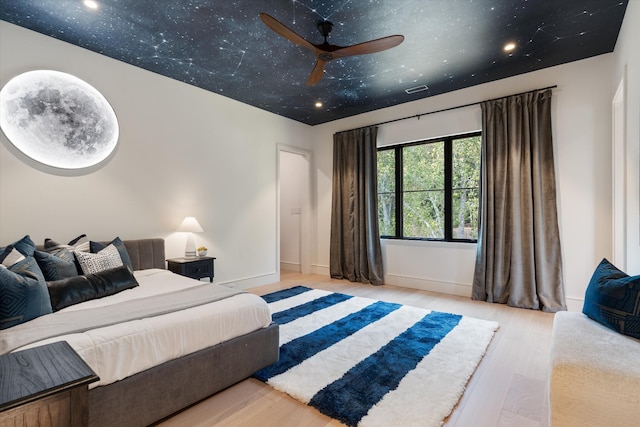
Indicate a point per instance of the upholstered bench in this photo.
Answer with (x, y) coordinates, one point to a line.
(594, 376)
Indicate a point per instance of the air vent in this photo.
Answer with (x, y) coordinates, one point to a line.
(416, 89)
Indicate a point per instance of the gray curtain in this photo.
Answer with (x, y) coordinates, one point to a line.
(355, 252)
(519, 261)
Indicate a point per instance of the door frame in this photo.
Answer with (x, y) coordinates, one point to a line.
(305, 209)
(619, 185)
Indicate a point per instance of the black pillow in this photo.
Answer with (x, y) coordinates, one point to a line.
(80, 243)
(119, 244)
(74, 290)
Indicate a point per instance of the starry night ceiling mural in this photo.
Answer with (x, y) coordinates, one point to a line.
(224, 47)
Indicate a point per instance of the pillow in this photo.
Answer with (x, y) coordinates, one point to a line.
(74, 290)
(23, 293)
(10, 256)
(124, 255)
(107, 258)
(613, 299)
(80, 243)
(57, 265)
(24, 245)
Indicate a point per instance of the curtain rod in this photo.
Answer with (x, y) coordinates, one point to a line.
(452, 108)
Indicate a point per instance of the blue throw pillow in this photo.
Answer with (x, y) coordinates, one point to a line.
(57, 265)
(24, 245)
(613, 299)
(23, 293)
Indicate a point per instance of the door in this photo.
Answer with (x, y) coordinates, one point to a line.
(294, 185)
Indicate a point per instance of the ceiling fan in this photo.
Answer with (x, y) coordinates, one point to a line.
(326, 52)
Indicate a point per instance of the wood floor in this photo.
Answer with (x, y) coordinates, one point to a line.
(507, 389)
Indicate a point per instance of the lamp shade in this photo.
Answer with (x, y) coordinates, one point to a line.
(190, 224)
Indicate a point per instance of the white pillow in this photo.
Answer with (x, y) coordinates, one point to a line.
(10, 257)
(107, 258)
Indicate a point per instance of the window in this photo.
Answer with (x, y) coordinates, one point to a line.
(430, 189)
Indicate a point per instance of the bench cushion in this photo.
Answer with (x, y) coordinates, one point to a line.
(594, 375)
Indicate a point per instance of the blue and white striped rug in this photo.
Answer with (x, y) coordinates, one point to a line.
(372, 363)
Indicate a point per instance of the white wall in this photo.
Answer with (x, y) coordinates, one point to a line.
(182, 151)
(582, 134)
(627, 66)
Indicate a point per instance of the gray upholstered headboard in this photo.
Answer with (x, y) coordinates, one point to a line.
(145, 253)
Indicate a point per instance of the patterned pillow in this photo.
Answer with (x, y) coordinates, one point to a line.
(57, 265)
(107, 258)
(613, 299)
(119, 244)
(23, 293)
(80, 243)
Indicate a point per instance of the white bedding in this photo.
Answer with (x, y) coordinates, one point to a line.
(118, 351)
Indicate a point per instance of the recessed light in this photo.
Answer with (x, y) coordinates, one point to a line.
(318, 104)
(509, 47)
(91, 4)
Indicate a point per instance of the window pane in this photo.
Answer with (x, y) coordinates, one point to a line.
(423, 167)
(465, 225)
(423, 214)
(465, 187)
(386, 192)
(387, 214)
(423, 179)
(386, 171)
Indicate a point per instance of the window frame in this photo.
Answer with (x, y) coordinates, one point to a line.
(448, 187)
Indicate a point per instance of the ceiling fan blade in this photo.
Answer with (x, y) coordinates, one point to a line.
(373, 46)
(317, 73)
(286, 32)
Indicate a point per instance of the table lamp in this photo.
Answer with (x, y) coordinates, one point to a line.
(190, 225)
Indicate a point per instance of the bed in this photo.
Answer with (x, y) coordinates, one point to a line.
(211, 344)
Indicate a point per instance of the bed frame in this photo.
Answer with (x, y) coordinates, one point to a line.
(149, 396)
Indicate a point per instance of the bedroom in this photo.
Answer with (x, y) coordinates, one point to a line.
(181, 145)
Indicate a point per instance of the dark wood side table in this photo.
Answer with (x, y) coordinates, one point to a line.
(45, 386)
(196, 268)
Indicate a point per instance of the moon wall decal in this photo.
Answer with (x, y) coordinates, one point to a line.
(58, 119)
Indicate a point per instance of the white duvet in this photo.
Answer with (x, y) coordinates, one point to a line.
(118, 351)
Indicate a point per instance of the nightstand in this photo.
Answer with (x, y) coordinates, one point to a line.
(196, 268)
(45, 386)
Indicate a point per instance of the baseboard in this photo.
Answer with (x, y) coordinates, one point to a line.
(412, 282)
(459, 289)
(574, 304)
(290, 266)
(320, 269)
(252, 282)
